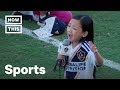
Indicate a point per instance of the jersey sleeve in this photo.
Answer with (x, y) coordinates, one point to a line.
(92, 58)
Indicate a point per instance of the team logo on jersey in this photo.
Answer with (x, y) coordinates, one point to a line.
(81, 55)
(66, 49)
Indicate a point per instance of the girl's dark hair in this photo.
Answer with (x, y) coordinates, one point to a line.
(87, 25)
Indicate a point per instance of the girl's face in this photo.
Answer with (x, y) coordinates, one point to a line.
(74, 30)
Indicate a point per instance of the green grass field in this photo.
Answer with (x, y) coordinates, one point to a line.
(22, 50)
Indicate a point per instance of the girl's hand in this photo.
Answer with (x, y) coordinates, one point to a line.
(93, 47)
(61, 62)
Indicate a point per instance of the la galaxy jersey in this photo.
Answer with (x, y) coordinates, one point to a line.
(81, 62)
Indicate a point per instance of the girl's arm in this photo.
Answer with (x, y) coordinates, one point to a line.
(98, 57)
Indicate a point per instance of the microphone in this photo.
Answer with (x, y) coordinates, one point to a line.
(66, 42)
(64, 48)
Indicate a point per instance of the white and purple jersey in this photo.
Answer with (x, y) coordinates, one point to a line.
(81, 62)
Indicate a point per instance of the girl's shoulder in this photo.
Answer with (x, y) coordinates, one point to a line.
(85, 45)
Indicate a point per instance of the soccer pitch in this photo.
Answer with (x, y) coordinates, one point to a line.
(25, 51)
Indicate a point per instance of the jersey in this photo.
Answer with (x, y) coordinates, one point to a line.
(81, 62)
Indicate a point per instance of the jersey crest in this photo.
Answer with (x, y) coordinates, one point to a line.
(81, 55)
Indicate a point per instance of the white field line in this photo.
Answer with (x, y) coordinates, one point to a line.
(56, 42)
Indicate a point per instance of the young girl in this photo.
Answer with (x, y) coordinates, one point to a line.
(82, 58)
